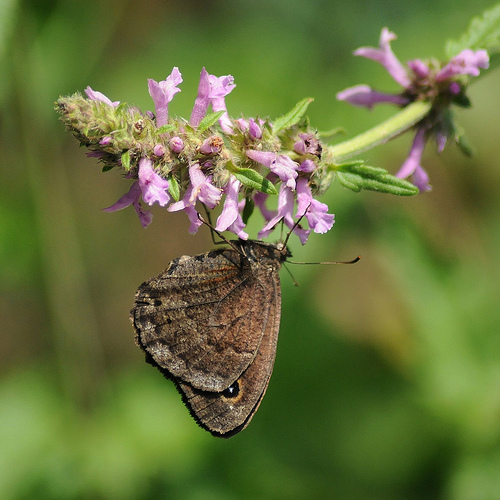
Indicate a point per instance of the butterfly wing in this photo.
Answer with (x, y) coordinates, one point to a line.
(202, 320)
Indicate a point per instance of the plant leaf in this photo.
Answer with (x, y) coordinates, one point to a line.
(169, 127)
(483, 33)
(357, 176)
(173, 188)
(253, 179)
(293, 116)
(209, 120)
(126, 160)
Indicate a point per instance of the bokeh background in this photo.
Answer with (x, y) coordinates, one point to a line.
(387, 378)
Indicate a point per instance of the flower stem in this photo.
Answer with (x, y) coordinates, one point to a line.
(383, 132)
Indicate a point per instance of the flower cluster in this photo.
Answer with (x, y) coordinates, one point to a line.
(441, 84)
(183, 164)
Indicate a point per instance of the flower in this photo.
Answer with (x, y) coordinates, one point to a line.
(412, 166)
(132, 198)
(284, 213)
(167, 158)
(162, 93)
(176, 144)
(385, 56)
(420, 80)
(230, 218)
(220, 87)
(153, 187)
(314, 211)
(200, 188)
(281, 165)
(212, 90)
(466, 62)
(365, 96)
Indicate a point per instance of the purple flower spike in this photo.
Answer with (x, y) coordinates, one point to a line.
(132, 198)
(93, 95)
(153, 187)
(365, 96)
(385, 56)
(467, 62)
(315, 212)
(230, 218)
(281, 165)
(412, 164)
(162, 93)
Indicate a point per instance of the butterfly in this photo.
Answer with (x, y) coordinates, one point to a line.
(210, 323)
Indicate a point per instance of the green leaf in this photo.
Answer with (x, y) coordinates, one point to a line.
(483, 33)
(173, 188)
(209, 120)
(253, 179)
(126, 160)
(169, 127)
(357, 176)
(247, 209)
(293, 116)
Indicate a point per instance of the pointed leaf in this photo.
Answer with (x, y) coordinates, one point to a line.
(126, 160)
(483, 33)
(209, 120)
(293, 116)
(173, 188)
(357, 176)
(169, 127)
(253, 179)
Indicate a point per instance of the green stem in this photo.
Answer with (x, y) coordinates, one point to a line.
(389, 129)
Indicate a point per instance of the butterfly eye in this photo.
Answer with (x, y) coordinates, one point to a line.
(232, 391)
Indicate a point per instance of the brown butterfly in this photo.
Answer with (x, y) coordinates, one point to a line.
(210, 323)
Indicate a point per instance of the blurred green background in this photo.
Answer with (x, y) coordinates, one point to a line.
(387, 379)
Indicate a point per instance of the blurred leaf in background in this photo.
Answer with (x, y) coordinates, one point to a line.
(387, 379)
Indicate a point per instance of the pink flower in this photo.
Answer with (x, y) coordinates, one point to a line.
(212, 90)
(420, 81)
(132, 198)
(281, 165)
(153, 187)
(315, 212)
(365, 96)
(230, 218)
(162, 93)
(200, 189)
(285, 213)
(385, 56)
(412, 164)
(466, 62)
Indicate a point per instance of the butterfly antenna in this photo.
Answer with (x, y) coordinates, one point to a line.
(353, 261)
